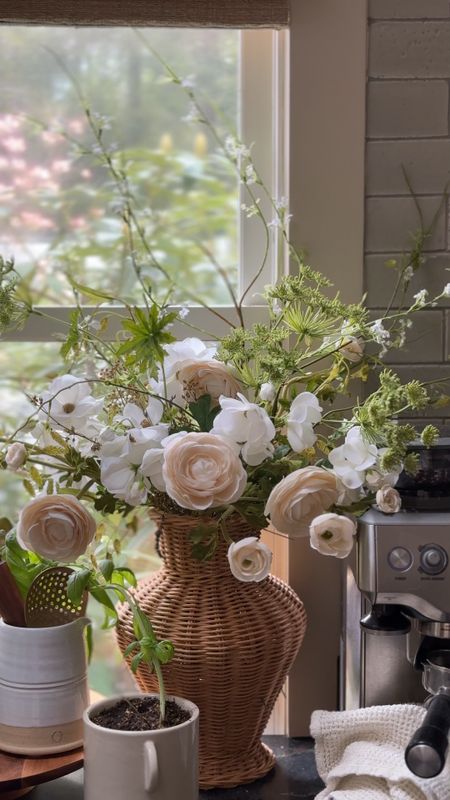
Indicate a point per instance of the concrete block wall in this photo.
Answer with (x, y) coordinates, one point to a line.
(408, 124)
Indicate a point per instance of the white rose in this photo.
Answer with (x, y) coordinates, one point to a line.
(16, 455)
(247, 426)
(297, 499)
(202, 470)
(56, 527)
(267, 392)
(388, 500)
(207, 377)
(332, 535)
(249, 559)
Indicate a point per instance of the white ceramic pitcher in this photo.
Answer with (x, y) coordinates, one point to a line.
(43, 688)
(142, 765)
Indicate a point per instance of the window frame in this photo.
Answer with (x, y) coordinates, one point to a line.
(263, 80)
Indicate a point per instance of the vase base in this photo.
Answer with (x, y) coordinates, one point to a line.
(231, 771)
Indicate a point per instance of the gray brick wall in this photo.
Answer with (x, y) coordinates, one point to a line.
(408, 125)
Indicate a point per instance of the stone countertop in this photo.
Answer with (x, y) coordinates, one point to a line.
(293, 778)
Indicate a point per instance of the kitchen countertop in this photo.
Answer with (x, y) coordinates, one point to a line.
(293, 778)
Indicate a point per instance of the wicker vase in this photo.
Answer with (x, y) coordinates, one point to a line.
(234, 645)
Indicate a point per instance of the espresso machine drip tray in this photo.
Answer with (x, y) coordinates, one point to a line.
(429, 488)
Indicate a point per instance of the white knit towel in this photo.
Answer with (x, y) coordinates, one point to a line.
(360, 755)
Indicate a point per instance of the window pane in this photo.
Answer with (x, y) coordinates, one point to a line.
(60, 210)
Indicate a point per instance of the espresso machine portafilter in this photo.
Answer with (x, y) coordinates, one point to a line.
(398, 590)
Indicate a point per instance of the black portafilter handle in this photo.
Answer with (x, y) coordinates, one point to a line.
(427, 750)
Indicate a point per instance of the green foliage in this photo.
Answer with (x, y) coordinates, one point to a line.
(203, 412)
(147, 336)
(204, 539)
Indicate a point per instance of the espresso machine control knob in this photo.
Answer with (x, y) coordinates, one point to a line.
(400, 559)
(433, 559)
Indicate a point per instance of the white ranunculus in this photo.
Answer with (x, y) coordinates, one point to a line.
(267, 392)
(68, 403)
(202, 470)
(351, 459)
(247, 426)
(211, 377)
(56, 527)
(249, 559)
(178, 353)
(304, 412)
(332, 535)
(388, 500)
(299, 497)
(16, 455)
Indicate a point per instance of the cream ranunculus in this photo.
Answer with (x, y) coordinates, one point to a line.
(297, 499)
(332, 535)
(207, 377)
(249, 559)
(56, 527)
(202, 470)
(16, 455)
(388, 500)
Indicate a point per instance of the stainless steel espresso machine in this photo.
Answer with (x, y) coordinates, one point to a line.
(396, 633)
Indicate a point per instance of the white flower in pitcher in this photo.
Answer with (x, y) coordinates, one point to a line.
(297, 499)
(56, 527)
(16, 455)
(332, 535)
(351, 459)
(248, 426)
(68, 403)
(267, 392)
(202, 470)
(305, 411)
(388, 500)
(207, 377)
(178, 353)
(249, 559)
(379, 332)
(122, 458)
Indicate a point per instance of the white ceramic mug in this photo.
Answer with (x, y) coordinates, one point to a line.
(141, 765)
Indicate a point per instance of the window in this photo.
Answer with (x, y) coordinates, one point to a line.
(60, 209)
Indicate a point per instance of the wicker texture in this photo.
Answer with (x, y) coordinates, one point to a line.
(234, 645)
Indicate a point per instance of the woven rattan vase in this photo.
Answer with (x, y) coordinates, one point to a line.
(234, 645)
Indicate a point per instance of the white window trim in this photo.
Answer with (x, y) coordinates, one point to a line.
(263, 81)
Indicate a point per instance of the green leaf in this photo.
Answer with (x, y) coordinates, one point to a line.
(88, 636)
(131, 648)
(110, 613)
(29, 488)
(106, 566)
(136, 661)
(77, 585)
(93, 293)
(124, 576)
(204, 412)
(164, 651)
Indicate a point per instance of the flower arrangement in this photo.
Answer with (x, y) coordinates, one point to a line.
(259, 422)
